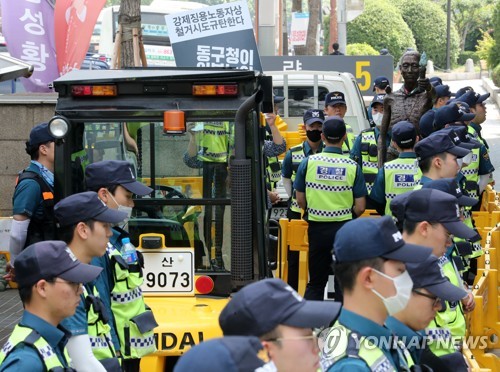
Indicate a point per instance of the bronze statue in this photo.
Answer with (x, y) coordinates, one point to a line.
(408, 103)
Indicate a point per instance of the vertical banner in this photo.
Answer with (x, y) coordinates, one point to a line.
(216, 36)
(27, 28)
(74, 22)
(298, 30)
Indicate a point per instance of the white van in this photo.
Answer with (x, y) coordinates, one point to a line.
(307, 89)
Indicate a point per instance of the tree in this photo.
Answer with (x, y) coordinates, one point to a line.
(382, 26)
(427, 21)
(129, 20)
(312, 28)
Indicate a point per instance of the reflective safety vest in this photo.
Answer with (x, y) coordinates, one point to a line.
(358, 347)
(471, 173)
(448, 327)
(401, 175)
(474, 134)
(298, 154)
(348, 144)
(99, 331)
(134, 320)
(329, 183)
(30, 337)
(215, 142)
(369, 157)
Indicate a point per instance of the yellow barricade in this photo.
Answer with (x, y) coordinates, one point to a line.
(483, 321)
(293, 234)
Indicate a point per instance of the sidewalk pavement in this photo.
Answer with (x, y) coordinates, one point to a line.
(11, 310)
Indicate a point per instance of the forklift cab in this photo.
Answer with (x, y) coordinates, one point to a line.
(195, 138)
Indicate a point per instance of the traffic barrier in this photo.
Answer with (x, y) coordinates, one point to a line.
(293, 234)
(471, 360)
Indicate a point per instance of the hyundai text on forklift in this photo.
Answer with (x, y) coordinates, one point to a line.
(203, 231)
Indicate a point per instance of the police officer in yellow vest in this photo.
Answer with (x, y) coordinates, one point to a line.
(209, 147)
(430, 289)
(430, 217)
(115, 184)
(50, 284)
(364, 150)
(336, 105)
(313, 122)
(370, 256)
(331, 189)
(401, 174)
(85, 225)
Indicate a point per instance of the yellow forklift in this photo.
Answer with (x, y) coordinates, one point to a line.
(194, 136)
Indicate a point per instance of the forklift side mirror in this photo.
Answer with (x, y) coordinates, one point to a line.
(174, 122)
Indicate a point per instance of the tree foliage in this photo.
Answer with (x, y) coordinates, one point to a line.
(382, 26)
(494, 53)
(361, 50)
(469, 16)
(427, 20)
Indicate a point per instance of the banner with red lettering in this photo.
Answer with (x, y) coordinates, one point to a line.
(74, 23)
(27, 26)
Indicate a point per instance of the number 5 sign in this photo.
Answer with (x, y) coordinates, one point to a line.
(364, 68)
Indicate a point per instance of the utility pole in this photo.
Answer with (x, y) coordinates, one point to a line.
(333, 24)
(448, 24)
(342, 24)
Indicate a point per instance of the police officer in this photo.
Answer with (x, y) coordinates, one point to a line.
(430, 290)
(381, 85)
(50, 284)
(209, 148)
(331, 189)
(313, 123)
(336, 105)
(431, 217)
(115, 184)
(370, 257)
(274, 145)
(443, 95)
(33, 200)
(437, 156)
(85, 225)
(282, 319)
(401, 174)
(364, 150)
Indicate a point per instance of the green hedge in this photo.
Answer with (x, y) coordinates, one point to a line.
(362, 49)
(494, 53)
(427, 20)
(382, 26)
(464, 56)
(496, 75)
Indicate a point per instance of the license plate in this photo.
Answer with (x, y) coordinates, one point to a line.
(277, 213)
(169, 271)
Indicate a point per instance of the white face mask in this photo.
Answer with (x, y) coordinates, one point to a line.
(377, 118)
(403, 285)
(122, 208)
(460, 162)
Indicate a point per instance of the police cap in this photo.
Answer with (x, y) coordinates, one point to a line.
(260, 307)
(51, 259)
(83, 207)
(365, 238)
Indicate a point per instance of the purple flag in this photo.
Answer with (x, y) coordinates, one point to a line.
(28, 28)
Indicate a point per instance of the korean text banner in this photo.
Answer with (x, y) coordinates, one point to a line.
(27, 26)
(74, 23)
(216, 36)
